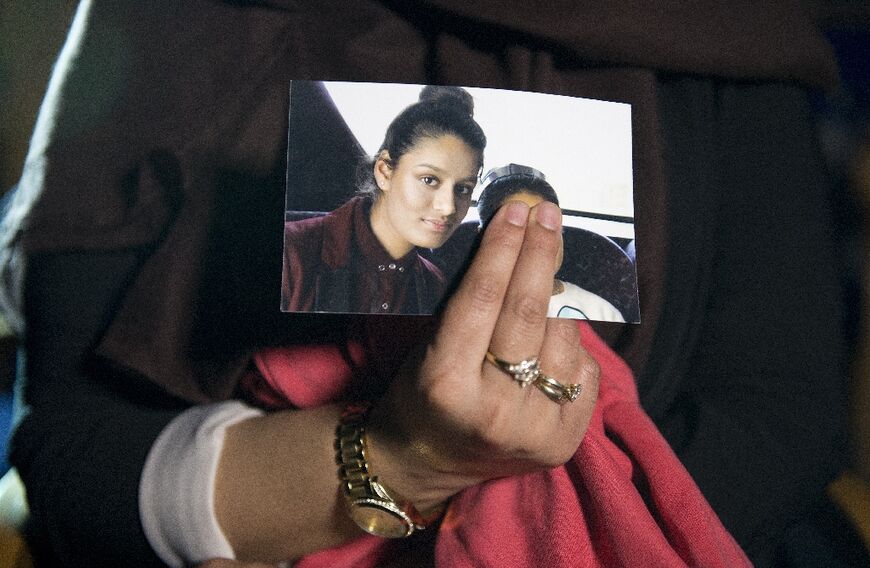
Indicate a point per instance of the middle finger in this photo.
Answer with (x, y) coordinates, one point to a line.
(519, 330)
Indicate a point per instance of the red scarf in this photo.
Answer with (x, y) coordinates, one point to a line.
(624, 500)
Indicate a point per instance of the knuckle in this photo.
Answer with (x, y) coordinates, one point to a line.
(494, 427)
(566, 331)
(572, 431)
(589, 370)
(544, 244)
(484, 291)
(436, 390)
(529, 309)
(563, 340)
(558, 454)
(567, 453)
(491, 422)
(561, 346)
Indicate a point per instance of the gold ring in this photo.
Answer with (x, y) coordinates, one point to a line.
(553, 391)
(524, 372)
(556, 391)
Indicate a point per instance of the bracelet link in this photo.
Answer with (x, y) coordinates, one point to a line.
(370, 503)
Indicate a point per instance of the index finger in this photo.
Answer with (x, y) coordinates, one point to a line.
(471, 313)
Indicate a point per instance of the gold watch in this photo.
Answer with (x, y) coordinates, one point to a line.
(370, 504)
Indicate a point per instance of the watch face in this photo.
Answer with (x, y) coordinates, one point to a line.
(380, 518)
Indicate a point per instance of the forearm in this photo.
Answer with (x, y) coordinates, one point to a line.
(276, 490)
(277, 493)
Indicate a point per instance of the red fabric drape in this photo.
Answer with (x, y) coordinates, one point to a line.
(624, 499)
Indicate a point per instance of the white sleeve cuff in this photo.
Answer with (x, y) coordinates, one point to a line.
(176, 492)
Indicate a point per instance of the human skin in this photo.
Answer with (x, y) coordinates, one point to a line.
(448, 421)
(424, 195)
(531, 199)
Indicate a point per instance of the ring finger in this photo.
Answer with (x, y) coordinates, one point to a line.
(519, 329)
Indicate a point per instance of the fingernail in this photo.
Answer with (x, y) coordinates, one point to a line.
(517, 213)
(548, 215)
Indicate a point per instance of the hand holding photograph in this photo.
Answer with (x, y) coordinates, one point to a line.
(389, 187)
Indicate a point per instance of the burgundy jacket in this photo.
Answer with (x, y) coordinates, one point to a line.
(334, 263)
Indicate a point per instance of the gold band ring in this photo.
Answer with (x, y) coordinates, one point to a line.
(556, 391)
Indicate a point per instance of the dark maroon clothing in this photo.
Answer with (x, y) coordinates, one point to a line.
(335, 263)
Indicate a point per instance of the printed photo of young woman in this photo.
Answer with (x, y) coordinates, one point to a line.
(389, 187)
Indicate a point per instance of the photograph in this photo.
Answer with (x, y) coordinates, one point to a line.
(390, 186)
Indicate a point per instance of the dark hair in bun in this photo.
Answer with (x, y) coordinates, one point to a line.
(448, 95)
(440, 111)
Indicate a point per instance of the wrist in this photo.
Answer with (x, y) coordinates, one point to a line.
(418, 469)
(378, 508)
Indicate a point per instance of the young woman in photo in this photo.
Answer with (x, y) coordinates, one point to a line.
(363, 257)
